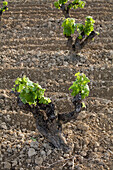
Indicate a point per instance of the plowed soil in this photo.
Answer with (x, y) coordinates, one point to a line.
(32, 44)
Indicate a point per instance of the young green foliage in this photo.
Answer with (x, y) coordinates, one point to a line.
(85, 31)
(89, 25)
(30, 92)
(69, 26)
(80, 85)
(58, 3)
(4, 8)
(77, 4)
(74, 4)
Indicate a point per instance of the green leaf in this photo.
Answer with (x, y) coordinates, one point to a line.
(13, 89)
(21, 86)
(5, 3)
(30, 92)
(89, 25)
(69, 26)
(80, 37)
(33, 139)
(57, 5)
(83, 105)
(80, 85)
(77, 74)
(97, 33)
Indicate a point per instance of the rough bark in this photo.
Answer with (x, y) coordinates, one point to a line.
(80, 43)
(49, 124)
(66, 8)
(69, 41)
(65, 11)
(88, 39)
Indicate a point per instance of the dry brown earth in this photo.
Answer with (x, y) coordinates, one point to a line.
(32, 43)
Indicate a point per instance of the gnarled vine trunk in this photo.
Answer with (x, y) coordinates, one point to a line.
(79, 44)
(49, 124)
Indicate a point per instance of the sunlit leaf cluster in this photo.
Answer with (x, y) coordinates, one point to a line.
(58, 3)
(4, 8)
(69, 26)
(30, 92)
(77, 4)
(73, 4)
(80, 85)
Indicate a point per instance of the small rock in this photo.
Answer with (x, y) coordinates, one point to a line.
(82, 115)
(91, 68)
(28, 161)
(3, 126)
(78, 167)
(7, 165)
(111, 53)
(46, 146)
(34, 144)
(66, 155)
(51, 32)
(8, 118)
(3, 96)
(49, 152)
(9, 150)
(14, 163)
(31, 152)
(43, 153)
(97, 144)
(38, 160)
(37, 168)
(82, 126)
(82, 60)
(65, 63)
(83, 153)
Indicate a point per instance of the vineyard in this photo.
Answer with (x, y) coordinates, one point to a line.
(33, 42)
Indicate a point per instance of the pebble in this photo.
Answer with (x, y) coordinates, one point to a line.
(82, 115)
(28, 161)
(66, 155)
(7, 165)
(49, 152)
(34, 144)
(14, 163)
(83, 126)
(83, 153)
(3, 96)
(37, 168)
(97, 144)
(9, 150)
(43, 153)
(38, 160)
(31, 152)
(3, 126)
(46, 146)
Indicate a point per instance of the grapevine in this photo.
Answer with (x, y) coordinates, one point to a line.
(80, 88)
(85, 32)
(30, 96)
(4, 8)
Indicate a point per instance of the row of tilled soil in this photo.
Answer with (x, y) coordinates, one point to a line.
(61, 78)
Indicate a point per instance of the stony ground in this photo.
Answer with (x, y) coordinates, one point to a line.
(32, 44)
